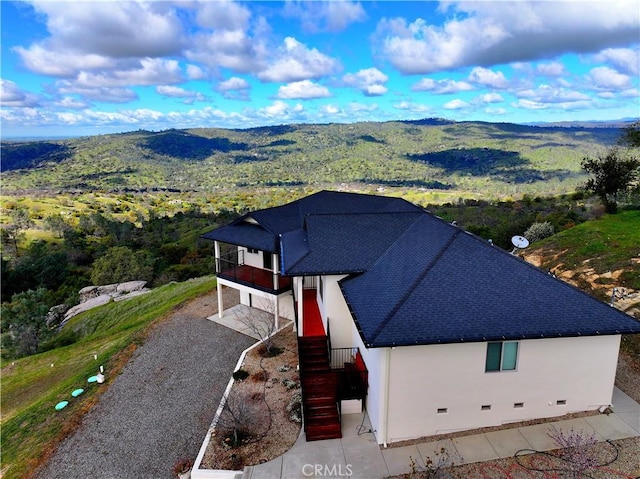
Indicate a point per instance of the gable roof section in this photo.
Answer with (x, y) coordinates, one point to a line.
(341, 243)
(279, 220)
(459, 288)
(242, 232)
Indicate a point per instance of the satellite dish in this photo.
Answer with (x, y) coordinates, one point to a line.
(519, 242)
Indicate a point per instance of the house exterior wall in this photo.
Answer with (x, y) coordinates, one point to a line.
(422, 379)
(335, 310)
(252, 259)
(375, 403)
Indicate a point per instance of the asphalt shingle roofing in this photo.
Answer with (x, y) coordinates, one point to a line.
(261, 229)
(413, 278)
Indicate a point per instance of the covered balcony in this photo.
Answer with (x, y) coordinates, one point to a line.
(232, 267)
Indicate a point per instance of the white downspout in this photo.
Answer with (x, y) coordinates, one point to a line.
(216, 247)
(385, 396)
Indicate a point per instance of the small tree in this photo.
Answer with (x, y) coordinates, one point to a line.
(612, 175)
(261, 322)
(14, 231)
(23, 324)
(120, 264)
(57, 224)
(538, 231)
(576, 451)
(238, 420)
(631, 135)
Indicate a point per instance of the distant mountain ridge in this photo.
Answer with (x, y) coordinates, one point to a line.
(430, 153)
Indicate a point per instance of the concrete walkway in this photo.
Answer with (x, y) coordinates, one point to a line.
(357, 455)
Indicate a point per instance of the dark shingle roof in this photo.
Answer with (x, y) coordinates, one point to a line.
(243, 233)
(273, 222)
(415, 279)
(341, 243)
(455, 287)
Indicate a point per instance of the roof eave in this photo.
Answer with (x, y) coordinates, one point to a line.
(485, 339)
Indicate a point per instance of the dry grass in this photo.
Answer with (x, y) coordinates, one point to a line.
(263, 399)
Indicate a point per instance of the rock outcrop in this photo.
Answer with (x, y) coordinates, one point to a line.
(94, 296)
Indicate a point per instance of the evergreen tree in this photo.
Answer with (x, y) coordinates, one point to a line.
(612, 175)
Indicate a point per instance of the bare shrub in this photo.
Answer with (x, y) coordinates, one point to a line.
(538, 231)
(238, 420)
(440, 466)
(576, 451)
(261, 324)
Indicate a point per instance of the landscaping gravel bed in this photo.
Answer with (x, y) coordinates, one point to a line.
(158, 410)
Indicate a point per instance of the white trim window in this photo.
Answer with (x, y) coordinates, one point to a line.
(501, 356)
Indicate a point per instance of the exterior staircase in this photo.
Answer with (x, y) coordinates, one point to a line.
(319, 389)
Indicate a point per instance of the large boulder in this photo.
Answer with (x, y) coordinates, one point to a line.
(112, 290)
(88, 304)
(130, 286)
(93, 296)
(88, 293)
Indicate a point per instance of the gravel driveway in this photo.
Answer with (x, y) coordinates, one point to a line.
(160, 407)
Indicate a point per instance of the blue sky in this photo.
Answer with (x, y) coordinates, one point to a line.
(79, 68)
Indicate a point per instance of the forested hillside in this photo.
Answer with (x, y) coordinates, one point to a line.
(455, 158)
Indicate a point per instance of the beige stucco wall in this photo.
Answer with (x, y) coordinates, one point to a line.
(334, 309)
(422, 379)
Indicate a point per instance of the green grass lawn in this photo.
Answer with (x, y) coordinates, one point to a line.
(608, 244)
(32, 386)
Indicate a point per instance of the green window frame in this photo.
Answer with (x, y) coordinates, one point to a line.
(501, 356)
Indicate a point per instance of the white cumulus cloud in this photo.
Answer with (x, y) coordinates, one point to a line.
(370, 81)
(606, 78)
(13, 96)
(304, 89)
(456, 105)
(626, 60)
(326, 15)
(487, 77)
(295, 62)
(492, 33)
(441, 87)
(188, 96)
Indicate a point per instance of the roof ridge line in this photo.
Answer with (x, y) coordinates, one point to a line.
(420, 277)
(281, 250)
(368, 213)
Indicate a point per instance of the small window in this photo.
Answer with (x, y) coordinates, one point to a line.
(518, 405)
(442, 410)
(501, 356)
(561, 402)
(485, 407)
(252, 250)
